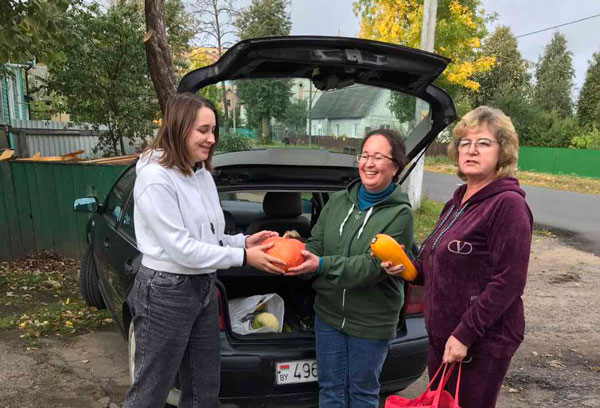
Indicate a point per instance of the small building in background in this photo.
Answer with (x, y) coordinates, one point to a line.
(352, 112)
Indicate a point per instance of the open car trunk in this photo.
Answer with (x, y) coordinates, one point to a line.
(296, 293)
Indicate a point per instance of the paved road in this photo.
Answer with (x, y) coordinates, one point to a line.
(574, 216)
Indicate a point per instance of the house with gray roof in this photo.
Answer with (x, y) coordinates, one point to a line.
(352, 112)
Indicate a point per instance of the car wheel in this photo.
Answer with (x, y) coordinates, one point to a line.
(173, 398)
(88, 281)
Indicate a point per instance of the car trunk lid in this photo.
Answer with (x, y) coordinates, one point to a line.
(335, 63)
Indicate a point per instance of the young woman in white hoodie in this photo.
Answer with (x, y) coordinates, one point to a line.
(179, 228)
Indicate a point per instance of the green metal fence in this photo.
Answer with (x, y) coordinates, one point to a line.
(560, 161)
(36, 205)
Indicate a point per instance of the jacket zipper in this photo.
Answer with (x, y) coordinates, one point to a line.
(439, 237)
(343, 305)
(346, 251)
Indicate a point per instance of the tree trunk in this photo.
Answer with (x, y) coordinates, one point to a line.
(158, 54)
(266, 131)
(122, 145)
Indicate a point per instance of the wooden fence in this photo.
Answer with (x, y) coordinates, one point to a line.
(36, 205)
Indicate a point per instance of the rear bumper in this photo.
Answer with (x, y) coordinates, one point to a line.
(407, 358)
(248, 370)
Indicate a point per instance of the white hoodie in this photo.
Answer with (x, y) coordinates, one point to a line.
(179, 223)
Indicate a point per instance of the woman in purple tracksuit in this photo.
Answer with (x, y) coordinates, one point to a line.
(474, 263)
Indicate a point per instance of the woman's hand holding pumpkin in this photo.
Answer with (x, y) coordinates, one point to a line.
(310, 265)
(394, 270)
(258, 238)
(256, 257)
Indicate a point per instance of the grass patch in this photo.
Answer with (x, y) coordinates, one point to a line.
(544, 233)
(588, 185)
(425, 218)
(40, 297)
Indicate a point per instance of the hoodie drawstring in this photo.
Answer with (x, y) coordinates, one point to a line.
(346, 219)
(364, 222)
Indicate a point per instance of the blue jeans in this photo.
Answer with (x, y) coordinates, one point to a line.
(348, 368)
(176, 330)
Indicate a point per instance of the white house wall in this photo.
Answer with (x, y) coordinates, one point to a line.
(380, 114)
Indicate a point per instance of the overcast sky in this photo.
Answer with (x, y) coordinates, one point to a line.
(333, 17)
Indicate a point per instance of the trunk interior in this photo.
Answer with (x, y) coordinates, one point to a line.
(297, 295)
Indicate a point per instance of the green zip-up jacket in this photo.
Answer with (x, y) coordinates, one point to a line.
(353, 294)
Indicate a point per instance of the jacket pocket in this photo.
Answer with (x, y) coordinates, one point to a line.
(166, 280)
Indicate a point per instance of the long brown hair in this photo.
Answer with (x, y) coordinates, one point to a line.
(179, 118)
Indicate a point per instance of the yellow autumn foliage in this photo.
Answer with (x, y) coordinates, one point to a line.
(459, 29)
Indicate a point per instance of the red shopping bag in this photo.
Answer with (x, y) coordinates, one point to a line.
(438, 398)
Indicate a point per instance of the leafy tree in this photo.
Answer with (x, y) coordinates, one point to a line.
(104, 80)
(554, 77)
(229, 142)
(31, 29)
(264, 99)
(296, 116)
(525, 114)
(588, 106)
(509, 73)
(263, 18)
(459, 28)
(588, 140)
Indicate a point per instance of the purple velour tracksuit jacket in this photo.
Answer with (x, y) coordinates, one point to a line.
(474, 268)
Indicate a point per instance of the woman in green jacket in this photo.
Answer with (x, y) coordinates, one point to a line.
(357, 303)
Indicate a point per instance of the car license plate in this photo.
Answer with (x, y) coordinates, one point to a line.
(294, 372)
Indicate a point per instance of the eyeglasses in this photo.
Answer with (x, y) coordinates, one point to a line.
(464, 145)
(376, 158)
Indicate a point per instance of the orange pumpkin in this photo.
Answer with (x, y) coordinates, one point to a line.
(287, 249)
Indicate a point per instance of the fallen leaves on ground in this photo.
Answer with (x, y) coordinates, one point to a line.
(40, 297)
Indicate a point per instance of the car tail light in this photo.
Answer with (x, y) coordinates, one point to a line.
(413, 303)
(221, 316)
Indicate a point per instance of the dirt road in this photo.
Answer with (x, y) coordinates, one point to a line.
(558, 365)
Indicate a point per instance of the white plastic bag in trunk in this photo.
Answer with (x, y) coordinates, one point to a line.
(243, 310)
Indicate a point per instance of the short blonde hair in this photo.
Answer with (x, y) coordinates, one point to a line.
(500, 126)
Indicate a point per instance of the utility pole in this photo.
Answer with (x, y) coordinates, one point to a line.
(309, 110)
(414, 183)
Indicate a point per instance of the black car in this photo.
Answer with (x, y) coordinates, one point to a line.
(282, 189)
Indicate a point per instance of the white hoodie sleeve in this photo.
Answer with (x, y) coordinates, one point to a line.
(237, 240)
(158, 205)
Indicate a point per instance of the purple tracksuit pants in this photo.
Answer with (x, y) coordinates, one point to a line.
(480, 380)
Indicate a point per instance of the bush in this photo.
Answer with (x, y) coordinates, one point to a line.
(229, 142)
(588, 140)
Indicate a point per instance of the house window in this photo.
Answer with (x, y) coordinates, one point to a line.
(355, 130)
(337, 130)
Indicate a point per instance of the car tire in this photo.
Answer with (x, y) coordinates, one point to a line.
(88, 281)
(173, 398)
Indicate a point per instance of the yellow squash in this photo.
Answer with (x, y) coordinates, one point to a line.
(386, 249)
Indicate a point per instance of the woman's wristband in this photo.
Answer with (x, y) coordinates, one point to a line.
(245, 258)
